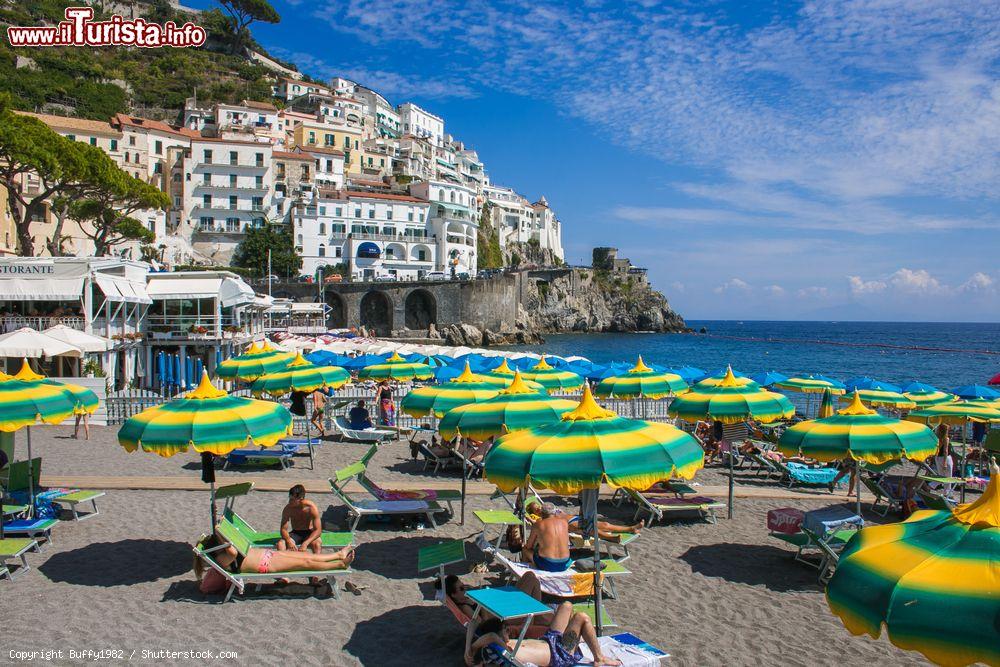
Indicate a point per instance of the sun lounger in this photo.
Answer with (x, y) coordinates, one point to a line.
(344, 430)
(252, 456)
(14, 510)
(881, 492)
(33, 528)
(79, 498)
(797, 473)
(230, 492)
(329, 539)
(824, 533)
(570, 583)
(239, 580)
(439, 462)
(13, 549)
(358, 509)
(656, 508)
(763, 464)
(377, 492)
(935, 501)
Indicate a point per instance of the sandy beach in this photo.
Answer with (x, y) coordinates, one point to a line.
(707, 594)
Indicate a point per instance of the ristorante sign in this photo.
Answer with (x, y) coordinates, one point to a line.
(27, 269)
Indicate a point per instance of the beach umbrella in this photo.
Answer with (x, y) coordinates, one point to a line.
(588, 446)
(208, 420)
(514, 408)
(327, 358)
(80, 339)
(363, 361)
(810, 384)
(300, 375)
(715, 380)
(553, 379)
(995, 379)
(599, 373)
(689, 373)
(26, 342)
(861, 434)
(731, 403)
(866, 382)
(925, 399)
(437, 399)
(768, 378)
(826, 405)
(504, 369)
(640, 381)
(86, 401)
(397, 368)
(932, 581)
(26, 401)
(976, 391)
(886, 398)
(256, 361)
(916, 387)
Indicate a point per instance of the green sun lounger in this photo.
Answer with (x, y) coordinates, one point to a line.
(828, 548)
(15, 548)
(31, 528)
(657, 510)
(329, 539)
(358, 509)
(239, 580)
(79, 498)
(375, 491)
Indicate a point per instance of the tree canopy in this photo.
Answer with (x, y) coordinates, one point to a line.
(245, 12)
(109, 209)
(251, 253)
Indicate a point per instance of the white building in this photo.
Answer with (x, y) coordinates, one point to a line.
(454, 223)
(288, 89)
(377, 235)
(422, 123)
(519, 221)
(328, 165)
(249, 121)
(385, 119)
(228, 186)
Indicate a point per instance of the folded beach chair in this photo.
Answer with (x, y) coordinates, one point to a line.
(329, 539)
(32, 528)
(439, 462)
(15, 548)
(358, 509)
(79, 498)
(935, 501)
(378, 493)
(280, 454)
(657, 508)
(239, 580)
(343, 429)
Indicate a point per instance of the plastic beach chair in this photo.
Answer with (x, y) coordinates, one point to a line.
(344, 430)
(329, 539)
(15, 548)
(797, 473)
(378, 493)
(657, 508)
(881, 492)
(79, 498)
(239, 580)
(31, 528)
(358, 509)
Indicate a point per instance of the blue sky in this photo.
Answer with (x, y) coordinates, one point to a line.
(769, 160)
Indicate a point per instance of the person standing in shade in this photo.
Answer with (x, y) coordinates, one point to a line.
(319, 404)
(383, 400)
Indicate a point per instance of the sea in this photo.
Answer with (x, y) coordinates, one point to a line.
(945, 355)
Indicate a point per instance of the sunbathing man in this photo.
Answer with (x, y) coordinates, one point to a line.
(547, 547)
(605, 529)
(301, 526)
(558, 647)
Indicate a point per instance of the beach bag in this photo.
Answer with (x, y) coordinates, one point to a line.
(212, 582)
(515, 540)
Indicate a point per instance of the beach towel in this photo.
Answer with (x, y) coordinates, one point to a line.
(561, 584)
(802, 473)
(684, 502)
(395, 505)
(627, 648)
(388, 494)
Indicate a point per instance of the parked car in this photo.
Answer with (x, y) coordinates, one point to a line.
(304, 279)
(463, 276)
(335, 278)
(435, 275)
(389, 278)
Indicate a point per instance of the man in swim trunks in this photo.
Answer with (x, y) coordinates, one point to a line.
(301, 527)
(608, 531)
(558, 647)
(547, 547)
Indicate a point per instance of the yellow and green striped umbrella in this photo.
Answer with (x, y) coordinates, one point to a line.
(438, 399)
(932, 581)
(397, 368)
(825, 405)
(590, 445)
(503, 370)
(959, 412)
(640, 381)
(889, 399)
(858, 433)
(731, 403)
(208, 419)
(925, 399)
(24, 402)
(553, 379)
(715, 381)
(256, 361)
(515, 408)
(86, 401)
(808, 385)
(300, 375)
(500, 380)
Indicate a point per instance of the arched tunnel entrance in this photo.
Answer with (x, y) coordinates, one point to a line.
(376, 313)
(421, 309)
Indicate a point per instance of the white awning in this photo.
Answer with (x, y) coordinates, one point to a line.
(308, 307)
(119, 289)
(30, 343)
(229, 291)
(85, 341)
(48, 289)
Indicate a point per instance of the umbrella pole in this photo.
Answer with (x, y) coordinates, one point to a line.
(732, 480)
(31, 477)
(597, 569)
(461, 521)
(961, 473)
(857, 484)
(208, 475)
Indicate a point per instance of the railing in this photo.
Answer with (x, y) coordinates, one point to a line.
(297, 325)
(179, 327)
(39, 322)
(217, 186)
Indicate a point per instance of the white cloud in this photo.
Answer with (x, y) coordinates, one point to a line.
(733, 285)
(813, 292)
(859, 286)
(919, 282)
(978, 282)
(677, 286)
(776, 291)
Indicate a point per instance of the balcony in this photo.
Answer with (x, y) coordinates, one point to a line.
(199, 327)
(228, 186)
(219, 229)
(38, 323)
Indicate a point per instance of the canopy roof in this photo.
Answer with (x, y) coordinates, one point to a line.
(227, 287)
(30, 343)
(81, 339)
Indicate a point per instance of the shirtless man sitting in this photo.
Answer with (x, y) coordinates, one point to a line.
(606, 530)
(547, 547)
(301, 526)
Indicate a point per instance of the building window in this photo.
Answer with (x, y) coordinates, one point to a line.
(206, 200)
(421, 255)
(409, 216)
(300, 239)
(388, 213)
(232, 180)
(338, 229)
(322, 210)
(71, 137)
(232, 224)
(158, 147)
(93, 141)
(233, 202)
(258, 182)
(207, 157)
(206, 222)
(126, 156)
(357, 213)
(234, 157)
(258, 222)
(322, 250)
(131, 140)
(338, 251)
(371, 213)
(340, 212)
(329, 140)
(312, 137)
(206, 179)
(158, 168)
(322, 228)
(257, 203)
(260, 159)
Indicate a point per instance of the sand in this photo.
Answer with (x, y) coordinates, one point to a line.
(723, 594)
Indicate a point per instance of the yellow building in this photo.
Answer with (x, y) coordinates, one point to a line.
(347, 139)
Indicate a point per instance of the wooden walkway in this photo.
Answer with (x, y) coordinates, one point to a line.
(476, 488)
